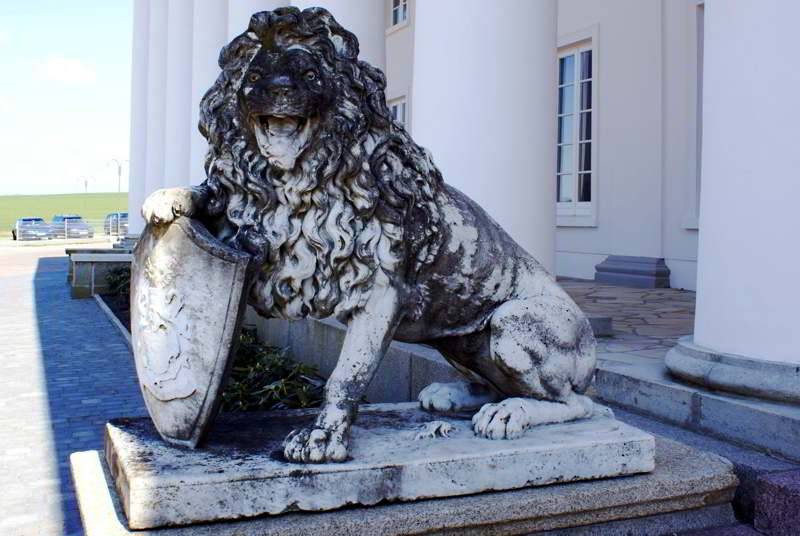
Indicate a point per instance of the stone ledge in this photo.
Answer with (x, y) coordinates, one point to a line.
(645, 386)
(688, 490)
(240, 471)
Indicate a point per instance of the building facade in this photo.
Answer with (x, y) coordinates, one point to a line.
(588, 129)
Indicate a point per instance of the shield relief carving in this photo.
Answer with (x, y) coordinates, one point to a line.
(187, 298)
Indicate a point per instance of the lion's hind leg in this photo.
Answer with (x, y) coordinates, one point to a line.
(542, 350)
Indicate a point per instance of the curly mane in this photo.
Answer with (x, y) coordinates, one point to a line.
(362, 196)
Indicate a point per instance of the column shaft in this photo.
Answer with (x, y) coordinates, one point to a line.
(156, 96)
(179, 87)
(749, 250)
(484, 103)
(210, 34)
(138, 139)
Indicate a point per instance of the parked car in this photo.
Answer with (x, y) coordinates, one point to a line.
(70, 226)
(30, 229)
(116, 223)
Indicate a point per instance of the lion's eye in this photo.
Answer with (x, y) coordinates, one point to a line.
(311, 76)
(253, 77)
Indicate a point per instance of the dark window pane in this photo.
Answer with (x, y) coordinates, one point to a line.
(585, 187)
(586, 126)
(586, 64)
(565, 158)
(395, 3)
(564, 189)
(585, 157)
(566, 70)
(395, 15)
(565, 129)
(566, 99)
(586, 95)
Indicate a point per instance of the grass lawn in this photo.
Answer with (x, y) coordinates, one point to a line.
(90, 206)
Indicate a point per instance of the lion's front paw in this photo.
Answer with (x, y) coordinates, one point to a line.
(163, 206)
(316, 445)
(505, 420)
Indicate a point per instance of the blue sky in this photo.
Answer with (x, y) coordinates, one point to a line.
(64, 94)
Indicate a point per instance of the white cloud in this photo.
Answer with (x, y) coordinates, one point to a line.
(70, 71)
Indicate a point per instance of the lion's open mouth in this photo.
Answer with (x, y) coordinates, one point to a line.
(282, 138)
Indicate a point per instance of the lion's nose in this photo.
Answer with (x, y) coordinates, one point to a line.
(280, 87)
(280, 91)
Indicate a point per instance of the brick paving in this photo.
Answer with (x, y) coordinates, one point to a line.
(64, 371)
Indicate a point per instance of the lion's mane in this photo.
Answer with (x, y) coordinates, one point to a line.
(362, 196)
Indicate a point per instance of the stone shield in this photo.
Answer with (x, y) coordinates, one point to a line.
(187, 298)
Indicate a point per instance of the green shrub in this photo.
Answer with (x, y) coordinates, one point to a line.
(263, 378)
(118, 281)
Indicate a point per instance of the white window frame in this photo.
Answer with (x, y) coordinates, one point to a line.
(399, 104)
(402, 10)
(580, 213)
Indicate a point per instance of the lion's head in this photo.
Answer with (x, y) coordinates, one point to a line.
(309, 172)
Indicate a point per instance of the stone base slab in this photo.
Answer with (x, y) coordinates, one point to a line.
(240, 471)
(688, 490)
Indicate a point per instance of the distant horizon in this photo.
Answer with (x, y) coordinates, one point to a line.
(64, 95)
(64, 193)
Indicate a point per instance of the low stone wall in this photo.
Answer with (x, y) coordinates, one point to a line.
(404, 372)
(88, 276)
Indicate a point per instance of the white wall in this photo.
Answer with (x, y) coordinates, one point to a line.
(400, 58)
(644, 84)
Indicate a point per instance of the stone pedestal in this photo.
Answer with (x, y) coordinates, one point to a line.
(240, 471)
(688, 490)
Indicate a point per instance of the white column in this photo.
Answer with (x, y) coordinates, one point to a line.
(749, 250)
(365, 18)
(240, 11)
(138, 139)
(156, 95)
(484, 103)
(178, 110)
(210, 34)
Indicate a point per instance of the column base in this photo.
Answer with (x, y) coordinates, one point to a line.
(734, 373)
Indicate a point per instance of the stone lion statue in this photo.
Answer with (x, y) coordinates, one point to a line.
(348, 217)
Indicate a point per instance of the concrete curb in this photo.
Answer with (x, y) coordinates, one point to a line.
(113, 319)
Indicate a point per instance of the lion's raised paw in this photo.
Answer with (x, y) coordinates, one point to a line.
(163, 206)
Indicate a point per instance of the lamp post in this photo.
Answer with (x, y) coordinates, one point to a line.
(118, 162)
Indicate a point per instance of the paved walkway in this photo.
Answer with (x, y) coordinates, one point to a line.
(64, 371)
(647, 322)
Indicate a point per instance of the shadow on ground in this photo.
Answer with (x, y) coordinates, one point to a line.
(89, 375)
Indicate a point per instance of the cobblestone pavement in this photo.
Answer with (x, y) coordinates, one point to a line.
(647, 322)
(64, 371)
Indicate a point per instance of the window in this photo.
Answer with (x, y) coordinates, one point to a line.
(575, 160)
(399, 12)
(398, 109)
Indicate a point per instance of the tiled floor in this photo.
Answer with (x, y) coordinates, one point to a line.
(648, 322)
